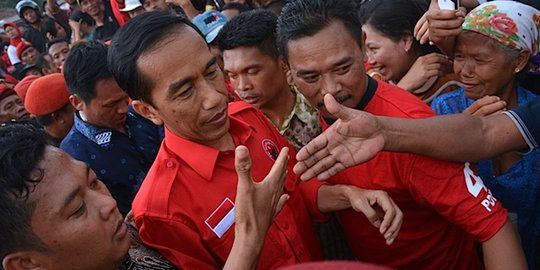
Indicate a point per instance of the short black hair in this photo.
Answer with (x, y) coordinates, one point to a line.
(255, 28)
(305, 18)
(81, 16)
(84, 66)
(238, 6)
(137, 36)
(48, 119)
(49, 26)
(394, 19)
(22, 147)
(57, 40)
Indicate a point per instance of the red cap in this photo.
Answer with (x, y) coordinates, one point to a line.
(46, 95)
(22, 87)
(5, 91)
(21, 47)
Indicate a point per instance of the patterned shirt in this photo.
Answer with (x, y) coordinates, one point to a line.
(119, 160)
(302, 124)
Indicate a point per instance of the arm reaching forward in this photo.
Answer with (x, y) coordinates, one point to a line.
(358, 136)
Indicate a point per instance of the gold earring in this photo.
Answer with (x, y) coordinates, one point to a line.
(517, 70)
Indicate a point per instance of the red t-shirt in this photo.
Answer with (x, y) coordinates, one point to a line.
(184, 207)
(444, 205)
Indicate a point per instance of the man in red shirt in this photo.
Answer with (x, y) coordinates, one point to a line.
(444, 203)
(185, 206)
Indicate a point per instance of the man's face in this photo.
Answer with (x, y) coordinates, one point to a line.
(76, 217)
(329, 62)
(58, 53)
(30, 15)
(151, 5)
(108, 108)
(12, 107)
(91, 7)
(29, 56)
(189, 91)
(256, 77)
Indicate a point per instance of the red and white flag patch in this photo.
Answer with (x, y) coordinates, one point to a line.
(222, 218)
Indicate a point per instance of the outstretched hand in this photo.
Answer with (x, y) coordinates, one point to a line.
(353, 139)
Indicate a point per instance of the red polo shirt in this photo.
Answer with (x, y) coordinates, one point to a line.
(184, 207)
(443, 204)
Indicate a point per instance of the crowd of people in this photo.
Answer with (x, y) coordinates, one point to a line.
(270, 134)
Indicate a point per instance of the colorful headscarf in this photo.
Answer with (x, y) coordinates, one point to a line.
(511, 23)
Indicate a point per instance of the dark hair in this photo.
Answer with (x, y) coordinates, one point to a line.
(394, 19)
(255, 28)
(48, 119)
(81, 16)
(137, 36)
(86, 64)
(49, 26)
(57, 40)
(238, 6)
(22, 147)
(305, 18)
(41, 62)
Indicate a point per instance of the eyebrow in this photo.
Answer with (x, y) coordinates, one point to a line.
(342, 61)
(71, 196)
(173, 87)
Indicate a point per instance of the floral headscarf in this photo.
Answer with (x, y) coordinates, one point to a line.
(511, 23)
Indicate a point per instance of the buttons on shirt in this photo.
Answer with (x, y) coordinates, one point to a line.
(171, 163)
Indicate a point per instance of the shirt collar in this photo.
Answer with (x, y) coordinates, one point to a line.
(202, 158)
(99, 135)
(302, 109)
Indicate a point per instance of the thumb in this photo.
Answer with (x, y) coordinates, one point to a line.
(337, 110)
(242, 162)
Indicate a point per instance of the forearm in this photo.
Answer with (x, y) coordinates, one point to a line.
(454, 137)
(246, 249)
(333, 198)
(503, 251)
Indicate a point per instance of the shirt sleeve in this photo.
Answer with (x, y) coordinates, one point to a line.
(189, 251)
(456, 192)
(527, 120)
(12, 54)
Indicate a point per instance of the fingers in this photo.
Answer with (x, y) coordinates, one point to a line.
(392, 215)
(421, 28)
(279, 168)
(337, 110)
(486, 106)
(305, 156)
(282, 200)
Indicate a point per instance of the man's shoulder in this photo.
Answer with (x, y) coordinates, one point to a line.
(390, 100)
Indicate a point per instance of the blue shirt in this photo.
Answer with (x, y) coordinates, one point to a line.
(121, 161)
(519, 187)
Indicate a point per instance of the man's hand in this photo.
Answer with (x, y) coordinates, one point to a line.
(377, 206)
(424, 68)
(256, 205)
(354, 138)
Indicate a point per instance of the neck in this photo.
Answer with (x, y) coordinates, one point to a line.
(121, 129)
(281, 107)
(225, 143)
(98, 19)
(510, 96)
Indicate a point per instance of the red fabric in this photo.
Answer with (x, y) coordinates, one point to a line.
(440, 214)
(335, 265)
(22, 87)
(46, 94)
(14, 41)
(121, 17)
(189, 181)
(22, 47)
(5, 91)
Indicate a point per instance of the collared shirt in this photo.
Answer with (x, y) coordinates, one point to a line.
(302, 125)
(120, 161)
(444, 204)
(185, 207)
(527, 119)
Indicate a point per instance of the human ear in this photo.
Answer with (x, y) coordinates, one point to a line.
(407, 42)
(22, 260)
(77, 102)
(147, 111)
(522, 60)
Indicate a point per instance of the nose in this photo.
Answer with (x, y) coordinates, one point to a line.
(107, 205)
(330, 85)
(370, 58)
(123, 107)
(212, 96)
(467, 68)
(243, 83)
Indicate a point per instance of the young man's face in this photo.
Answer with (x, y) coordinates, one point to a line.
(257, 78)
(76, 217)
(189, 91)
(58, 53)
(329, 62)
(108, 108)
(30, 15)
(12, 107)
(152, 5)
(29, 56)
(91, 7)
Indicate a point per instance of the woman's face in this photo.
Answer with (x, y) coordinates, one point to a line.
(392, 59)
(11, 32)
(483, 66)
